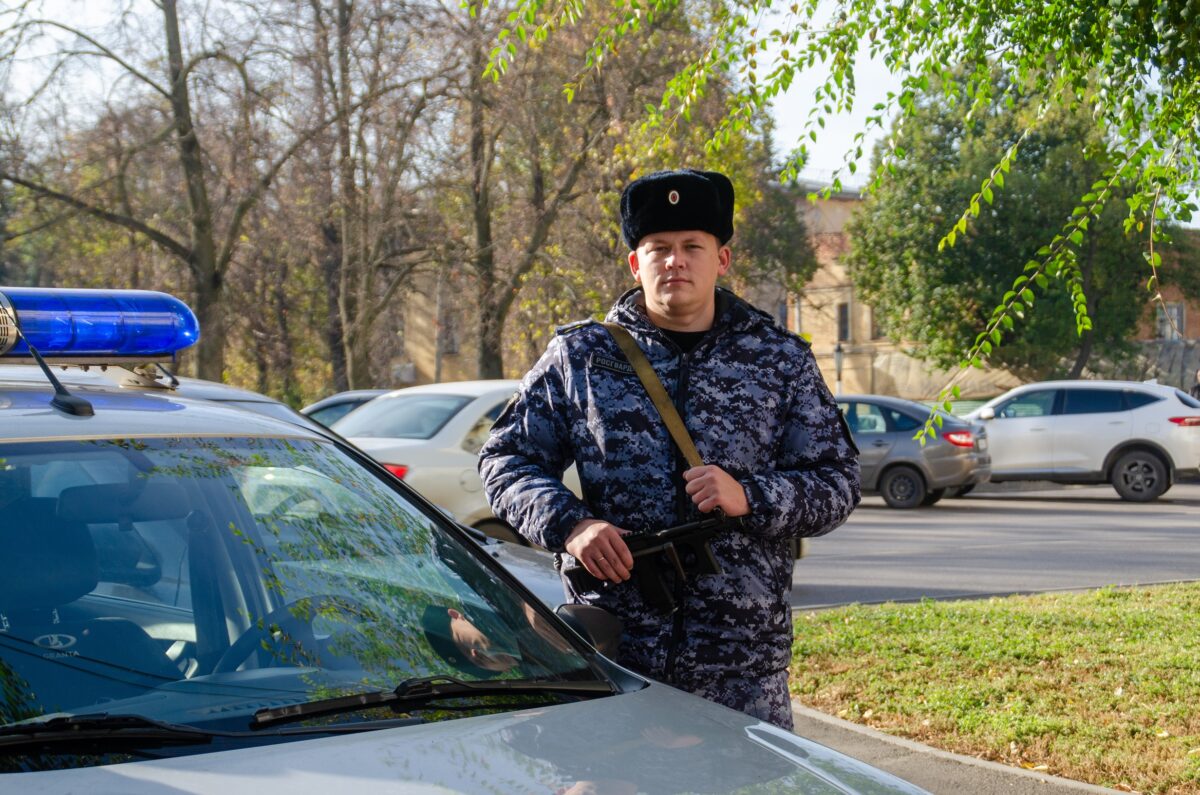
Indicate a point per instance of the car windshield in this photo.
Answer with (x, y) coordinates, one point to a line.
(197, 580)
(417, 416)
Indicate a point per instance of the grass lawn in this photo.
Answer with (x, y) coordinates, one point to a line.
(1102, 687)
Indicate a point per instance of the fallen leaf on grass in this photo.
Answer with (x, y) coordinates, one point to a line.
(1032, 766)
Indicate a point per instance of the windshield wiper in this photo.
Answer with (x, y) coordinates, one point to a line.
(421, 690)
(138, 731)
(103, 728)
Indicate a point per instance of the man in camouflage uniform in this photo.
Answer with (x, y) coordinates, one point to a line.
(779, 460)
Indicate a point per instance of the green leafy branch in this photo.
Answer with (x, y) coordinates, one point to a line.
(1058, 260)
(994, 180)
(522, 23)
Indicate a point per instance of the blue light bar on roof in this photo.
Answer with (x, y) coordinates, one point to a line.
(100, 325)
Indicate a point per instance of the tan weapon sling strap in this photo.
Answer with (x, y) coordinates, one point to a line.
(668, 412)
(658, 395)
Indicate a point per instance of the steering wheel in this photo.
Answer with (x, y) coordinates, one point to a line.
(287, 627)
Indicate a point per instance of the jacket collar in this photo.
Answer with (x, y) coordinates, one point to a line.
(732, 314)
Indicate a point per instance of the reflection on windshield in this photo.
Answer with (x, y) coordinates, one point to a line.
(197, 580)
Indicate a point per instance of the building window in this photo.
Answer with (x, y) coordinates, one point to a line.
(1169, 322)
(876, 328)
(843, 322)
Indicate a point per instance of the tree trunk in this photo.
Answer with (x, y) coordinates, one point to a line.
(334, 333)
(490, 363)
(358, 363)
(289, 390)
(1085, 353)
(491, 349)
(356, 357)
(203, 262)
(210, 358)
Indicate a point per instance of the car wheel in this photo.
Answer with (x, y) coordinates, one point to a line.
(1140, 476)
(902, 487)
(961, 491)
(932, 497)
(497, 529)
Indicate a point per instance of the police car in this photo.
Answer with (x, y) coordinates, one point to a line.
(198, 598)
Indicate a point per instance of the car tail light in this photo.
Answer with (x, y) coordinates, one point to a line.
(1187, 422)
(959, 438)
(399, 470)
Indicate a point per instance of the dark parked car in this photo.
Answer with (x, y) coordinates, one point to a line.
(897, 466)
(329, 410)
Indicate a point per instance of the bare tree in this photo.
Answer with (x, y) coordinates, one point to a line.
(214, 187)
(524, 151)
(378, 226)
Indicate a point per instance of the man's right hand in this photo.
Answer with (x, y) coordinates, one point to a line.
(598, 546)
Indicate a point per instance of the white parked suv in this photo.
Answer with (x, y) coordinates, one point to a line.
(1139, 436)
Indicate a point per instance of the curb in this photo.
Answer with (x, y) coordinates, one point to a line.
(808, 713)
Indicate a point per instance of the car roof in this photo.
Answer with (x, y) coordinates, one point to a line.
(913, 406)
(468, 388)
(129, 411)
(1095, 382)
(888, 400)
(1148, 386)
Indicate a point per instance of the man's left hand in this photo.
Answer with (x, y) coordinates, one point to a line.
(712, 487)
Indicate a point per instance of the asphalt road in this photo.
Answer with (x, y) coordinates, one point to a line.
(1002, 542)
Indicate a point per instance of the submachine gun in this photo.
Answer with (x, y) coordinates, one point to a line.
(684, 549)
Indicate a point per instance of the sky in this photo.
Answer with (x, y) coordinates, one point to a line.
(833, 142)
(828, 152)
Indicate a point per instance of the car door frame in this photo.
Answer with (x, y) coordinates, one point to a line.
(873, 446)
(1006, 433)
(1073, 432)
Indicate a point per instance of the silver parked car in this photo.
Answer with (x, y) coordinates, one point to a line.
(897, 466)
(197, 598)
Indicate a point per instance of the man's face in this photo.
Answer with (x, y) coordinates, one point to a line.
(678, 270)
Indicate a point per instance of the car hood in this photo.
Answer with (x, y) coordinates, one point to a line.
(657, 739)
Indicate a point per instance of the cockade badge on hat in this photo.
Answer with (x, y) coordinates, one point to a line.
(673, 197)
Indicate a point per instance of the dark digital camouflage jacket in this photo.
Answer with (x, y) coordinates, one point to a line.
(754, 403)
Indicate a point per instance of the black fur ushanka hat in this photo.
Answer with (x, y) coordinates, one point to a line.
(673, 201)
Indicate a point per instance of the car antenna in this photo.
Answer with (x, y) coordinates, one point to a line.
(63, 400)
(170, 376)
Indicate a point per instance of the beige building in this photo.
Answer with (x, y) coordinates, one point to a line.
(843, 329)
